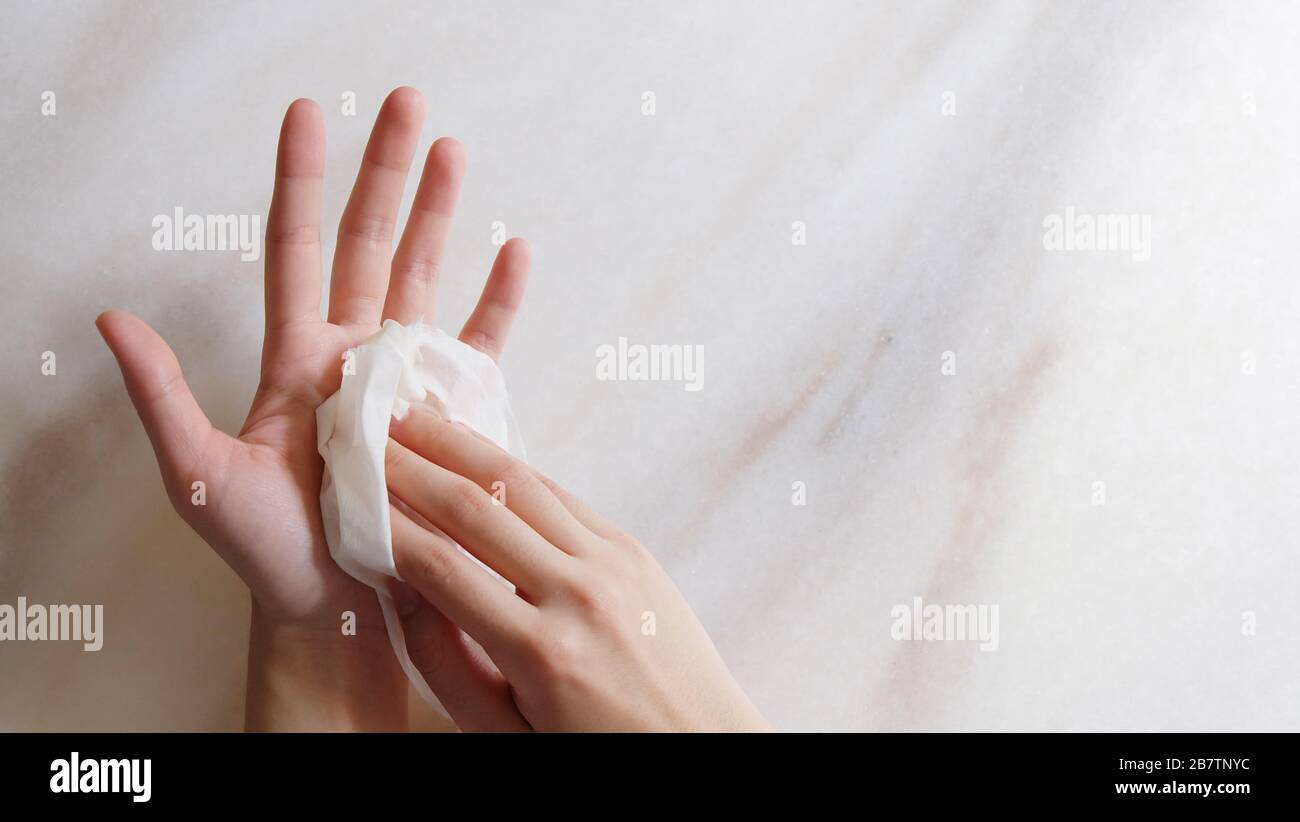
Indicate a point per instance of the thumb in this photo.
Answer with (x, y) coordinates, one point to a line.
(177, 427)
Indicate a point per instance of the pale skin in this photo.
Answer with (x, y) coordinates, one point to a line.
(569, 650)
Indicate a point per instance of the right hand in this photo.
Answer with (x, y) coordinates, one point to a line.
(596, 637)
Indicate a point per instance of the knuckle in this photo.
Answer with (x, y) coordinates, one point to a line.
(551, 485)
(308, 234)
(433, 434)
(596, 598)
(518, 477)
(361, 308)
(169, 385)
(436, 566)
(551, 508)
(559, 654)
(466, 502)
(423, 430)
(422, 270)
(514, 474)
(634, 548)
(374, 228)
(394, 455)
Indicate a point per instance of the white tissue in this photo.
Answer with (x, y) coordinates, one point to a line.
(383, 377)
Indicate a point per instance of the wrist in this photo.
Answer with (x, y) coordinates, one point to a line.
(312, 678)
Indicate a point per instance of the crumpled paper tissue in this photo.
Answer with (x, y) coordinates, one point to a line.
(398, 367)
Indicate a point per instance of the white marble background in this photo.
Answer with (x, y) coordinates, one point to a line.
(822, 361)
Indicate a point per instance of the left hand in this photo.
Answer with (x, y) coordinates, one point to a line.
(262, 513)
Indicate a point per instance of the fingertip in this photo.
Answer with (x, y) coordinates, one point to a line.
(304, 115)
(519, 251)
(104, 324)
(401, 430)
(302, 140)
(405, 94)
(113, 323)
(515, 261)
(406, 103)
(105, 320)
(491, 319)
(415, 411)
(395, 426)
(448, 152)
(303, 107)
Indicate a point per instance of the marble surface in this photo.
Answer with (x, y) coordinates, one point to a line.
(824, 362)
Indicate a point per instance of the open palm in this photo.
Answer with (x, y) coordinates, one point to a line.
(261, 491)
